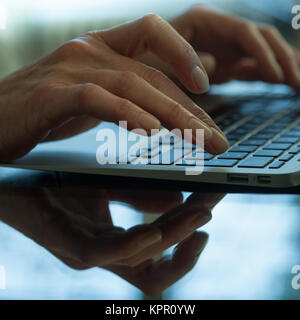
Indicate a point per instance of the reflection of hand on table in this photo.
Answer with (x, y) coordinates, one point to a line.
(76, 227)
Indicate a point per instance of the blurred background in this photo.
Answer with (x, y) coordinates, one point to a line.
(254, 239)
(30, 29)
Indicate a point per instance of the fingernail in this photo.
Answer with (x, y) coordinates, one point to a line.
(151, 237)
(148, 122)
(218, 141)
(200, 79)
(195, 124)
(199, 221)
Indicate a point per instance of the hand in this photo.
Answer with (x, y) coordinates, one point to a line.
(233, 48)
(96, 77)
(76, 226)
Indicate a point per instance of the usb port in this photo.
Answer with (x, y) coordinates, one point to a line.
(264, 179)
(237, 178)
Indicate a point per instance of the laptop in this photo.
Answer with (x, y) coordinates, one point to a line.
(261, 122)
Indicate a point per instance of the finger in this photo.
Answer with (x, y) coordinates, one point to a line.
(177, 224)
(255, 45)
(103, 245)
(174, 231)
(197, 200)
(97, 102)
(243, 34)
(134, 88)
(153, 33)
(112, 247)
(285, 55)
(218, 142)
(154, 277)
(247, 69)
(207, 199)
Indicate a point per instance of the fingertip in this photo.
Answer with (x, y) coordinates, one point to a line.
(200, 80)
(218, 143)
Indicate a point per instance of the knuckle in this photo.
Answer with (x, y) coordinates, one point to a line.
(85, 93)
(70, 49)
(201, 114)
(188, 50)
(175, 110)
(125, 81)
(149, 21)
(124, 250)
(124, 107)
(204, 117)
(154, 77)
(59, 72)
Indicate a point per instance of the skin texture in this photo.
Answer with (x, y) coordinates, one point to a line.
(76, 226)
(234, 48)
(106, 75)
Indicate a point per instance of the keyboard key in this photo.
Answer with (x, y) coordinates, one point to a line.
(220, 163)
(240, 148)
(276, 165)
(294, 150)
(169, 157)
(277, 146)
(263, 135)
(292, 133)
(233, 135)
(233, 155)
(189, 162)
(284, 139)
(208, 156)
(241, 131)
(253, 142)
(275, 127)
(199, 154)
(249, 126)
(232, 141)
(286, 157)
(255, 162)
(267, 153)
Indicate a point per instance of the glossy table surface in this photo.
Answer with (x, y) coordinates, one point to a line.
(253, 239)
(253, 236)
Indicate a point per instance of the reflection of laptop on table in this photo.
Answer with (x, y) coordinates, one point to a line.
(263, 130)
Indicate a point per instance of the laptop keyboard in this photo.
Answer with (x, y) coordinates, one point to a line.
(262, 134)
